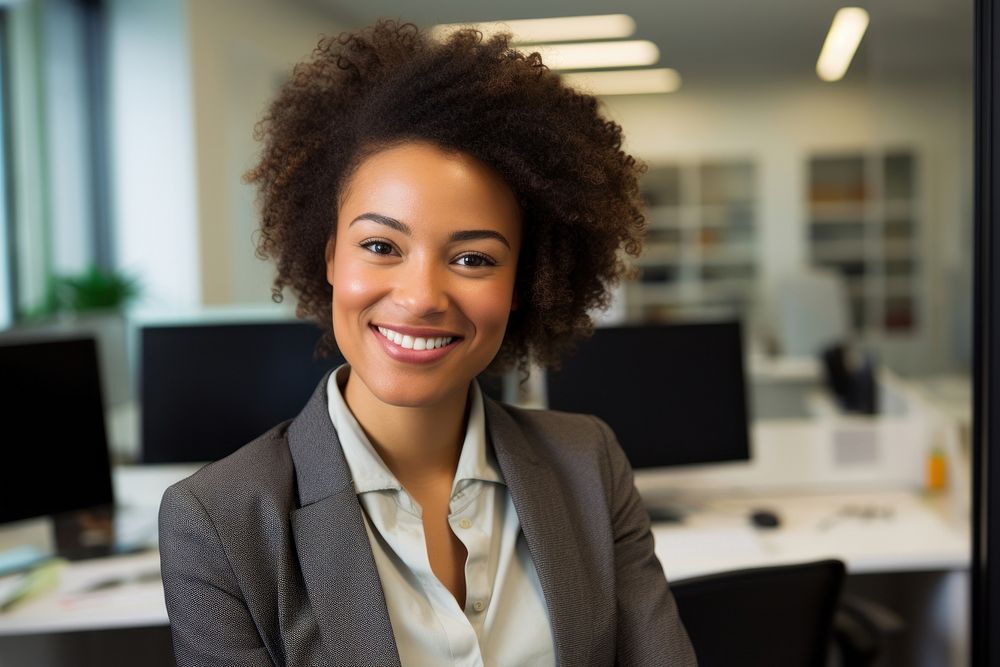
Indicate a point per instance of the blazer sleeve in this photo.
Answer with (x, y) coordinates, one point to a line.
(209, 619)
(650, 631)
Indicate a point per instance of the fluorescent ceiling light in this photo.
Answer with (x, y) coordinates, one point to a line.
(593, 55)
(849, 24)
(563, 29)
(626, 82)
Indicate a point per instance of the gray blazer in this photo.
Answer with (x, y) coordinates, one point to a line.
(265, 558)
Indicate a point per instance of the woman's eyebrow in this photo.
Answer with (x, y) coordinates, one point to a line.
(475, 234)
(401, 227)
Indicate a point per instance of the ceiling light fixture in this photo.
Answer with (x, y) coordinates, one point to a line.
(848, 27)
(594, 55)
(561, 29)
(626, 82)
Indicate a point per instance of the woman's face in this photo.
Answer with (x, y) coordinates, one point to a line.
(422, 268)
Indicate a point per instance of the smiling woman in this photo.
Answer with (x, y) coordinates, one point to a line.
(440, 208)
(438, 260)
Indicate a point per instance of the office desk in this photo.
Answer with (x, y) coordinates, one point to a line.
(78, 604)
(872, 532)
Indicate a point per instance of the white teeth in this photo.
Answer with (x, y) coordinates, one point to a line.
(414, 342)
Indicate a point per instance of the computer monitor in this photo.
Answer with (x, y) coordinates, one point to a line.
(55, 453)
(674, 394)
(208, 388)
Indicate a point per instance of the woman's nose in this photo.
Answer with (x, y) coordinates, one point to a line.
(421, 288)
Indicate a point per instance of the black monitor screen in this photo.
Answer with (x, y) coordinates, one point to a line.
(55, 447)
(208, 389)
(673, 394)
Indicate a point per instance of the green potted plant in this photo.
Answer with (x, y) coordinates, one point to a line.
(93, 303)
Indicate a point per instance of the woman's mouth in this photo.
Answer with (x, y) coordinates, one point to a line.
(415, 342)
(411, 348)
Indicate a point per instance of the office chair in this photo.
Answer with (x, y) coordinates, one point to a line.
(777, 616)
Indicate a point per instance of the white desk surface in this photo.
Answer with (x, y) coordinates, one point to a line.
(872, 532)
(72, 606)
(917, 535)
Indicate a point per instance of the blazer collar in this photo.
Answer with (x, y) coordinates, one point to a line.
(331, 542)
(551, 530)
(338, 566)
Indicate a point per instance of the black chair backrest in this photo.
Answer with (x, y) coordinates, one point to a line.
(778, 616)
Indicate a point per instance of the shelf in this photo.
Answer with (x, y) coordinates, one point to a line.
(701, 240)
(740, 256)
(827, 251)
(833, 212)
(862, 222)
(653, 254)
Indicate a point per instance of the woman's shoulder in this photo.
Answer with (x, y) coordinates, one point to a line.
(258, 474)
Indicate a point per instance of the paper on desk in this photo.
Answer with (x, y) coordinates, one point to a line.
(21, 588)
(694, 543)
(696, 550)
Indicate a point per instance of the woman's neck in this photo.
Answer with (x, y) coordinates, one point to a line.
(419, 445)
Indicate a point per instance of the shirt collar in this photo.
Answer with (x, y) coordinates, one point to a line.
(369, 473)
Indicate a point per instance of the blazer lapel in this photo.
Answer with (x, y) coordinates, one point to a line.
(550, 532)
(334, 555)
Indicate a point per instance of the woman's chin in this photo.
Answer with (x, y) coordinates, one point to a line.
(412, 394)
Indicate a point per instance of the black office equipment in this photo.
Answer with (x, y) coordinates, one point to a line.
(209, 388)
(55, 448)
(673, 394)
(850, 376)
(765, 518)
(778, 615)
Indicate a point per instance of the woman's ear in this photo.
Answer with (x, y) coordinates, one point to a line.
(514, 301)
(328, 254)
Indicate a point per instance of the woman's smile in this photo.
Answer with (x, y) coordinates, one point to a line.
(409, 345)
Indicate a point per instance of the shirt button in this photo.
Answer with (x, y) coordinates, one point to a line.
(465, 523)
(479, 605)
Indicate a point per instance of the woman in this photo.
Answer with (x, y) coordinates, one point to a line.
(442, 208)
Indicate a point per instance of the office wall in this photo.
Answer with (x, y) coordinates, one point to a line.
(154, 176)
(241, 52)
(65, 120)
(779, 125)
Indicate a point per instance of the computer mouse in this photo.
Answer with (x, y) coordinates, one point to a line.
(765, 518)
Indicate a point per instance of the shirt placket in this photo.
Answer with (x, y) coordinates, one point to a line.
(469, 509)
(458, 629)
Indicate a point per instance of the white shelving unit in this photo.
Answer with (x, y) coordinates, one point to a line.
(864, 223)
(700, 256)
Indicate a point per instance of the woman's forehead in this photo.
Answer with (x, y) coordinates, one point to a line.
(419, 182)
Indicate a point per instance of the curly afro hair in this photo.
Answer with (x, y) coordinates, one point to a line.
(364, 91)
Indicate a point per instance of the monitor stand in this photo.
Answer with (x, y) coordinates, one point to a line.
(666, 513)
(83, 534)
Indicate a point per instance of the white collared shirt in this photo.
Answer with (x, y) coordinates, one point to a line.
(505, 621)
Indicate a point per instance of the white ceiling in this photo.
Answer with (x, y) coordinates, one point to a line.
(756, 40)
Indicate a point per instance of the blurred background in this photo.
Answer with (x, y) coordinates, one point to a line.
(824, 210)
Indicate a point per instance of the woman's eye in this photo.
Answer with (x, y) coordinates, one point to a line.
(378, 247)
(475, 260)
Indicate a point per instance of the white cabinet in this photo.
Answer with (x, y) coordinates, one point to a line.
(700, 255)
(864, 223)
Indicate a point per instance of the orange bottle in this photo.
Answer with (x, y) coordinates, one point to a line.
(937, 470)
